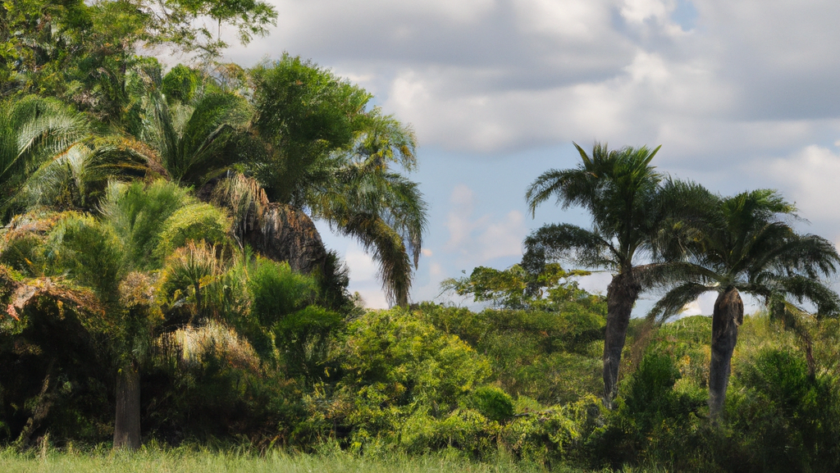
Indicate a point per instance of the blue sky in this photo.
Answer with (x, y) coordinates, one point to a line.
(740, 95)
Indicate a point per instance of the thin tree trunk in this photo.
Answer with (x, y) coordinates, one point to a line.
(198, 307)
(728, 315)
(127, 423)
(42, 408)
(621, 295)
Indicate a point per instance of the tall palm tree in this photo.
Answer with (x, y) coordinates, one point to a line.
(744, 243)
(620, 189)
(329, 154)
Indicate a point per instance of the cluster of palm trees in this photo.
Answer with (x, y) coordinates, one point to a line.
(657, 233)
(130, 219)
(307, 140)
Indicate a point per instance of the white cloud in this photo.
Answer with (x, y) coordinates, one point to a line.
(567, 19)
(637, 11)
(810, 178)
(362, 267)
(478, 240)
(496, 75)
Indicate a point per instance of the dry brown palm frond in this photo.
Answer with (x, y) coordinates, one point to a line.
(137, 289)
(245, 198)
(192, 345)
(26, 293)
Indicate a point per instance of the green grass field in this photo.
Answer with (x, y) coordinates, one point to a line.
(186, 460)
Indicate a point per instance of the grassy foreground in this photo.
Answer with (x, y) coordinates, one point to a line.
(189, 460)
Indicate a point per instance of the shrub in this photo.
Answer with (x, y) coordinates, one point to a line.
(493, 403)
(787, 419)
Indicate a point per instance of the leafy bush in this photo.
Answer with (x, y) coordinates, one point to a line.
(493, 403)
(787, 419)
(553, 357)
(653, 421)
(399, 370)
(277, 291)
(180, 84)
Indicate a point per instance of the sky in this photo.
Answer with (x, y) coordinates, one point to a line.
(741, 95)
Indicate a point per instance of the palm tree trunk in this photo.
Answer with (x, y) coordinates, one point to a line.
(621, 296)
(127, 423)
(277, 231)
(727, 316)
(287, 234)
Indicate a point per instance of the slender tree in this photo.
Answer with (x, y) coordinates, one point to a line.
(744, 243)
(139, 227)
(620, 189)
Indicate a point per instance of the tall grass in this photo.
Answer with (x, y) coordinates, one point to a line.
(200, 460)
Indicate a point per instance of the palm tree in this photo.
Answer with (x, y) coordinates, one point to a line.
(319, 155)
(327, 154)
(744, 243)
(139, 227)
(194, 142)
(620, 189)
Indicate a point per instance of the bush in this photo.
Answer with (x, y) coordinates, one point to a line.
(653, 422)
(553, 357)
(400, 371)
(493, 403)
(787, 419)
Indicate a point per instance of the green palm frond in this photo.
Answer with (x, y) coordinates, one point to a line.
(188, 270)
(675, 300)
(746, 241)
(804, 288)
(32, 131)
(659, 275)
(91, 253)
(387, 249)
(195, 143)
(568, 242)
(196, 221)
(139, 214)
(619, 188)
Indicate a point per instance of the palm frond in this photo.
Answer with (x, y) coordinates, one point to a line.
(387, 248)
(658, 275)
(807, 289)
(583, 248)
(673, 302)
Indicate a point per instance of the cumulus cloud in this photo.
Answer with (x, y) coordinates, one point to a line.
(741, 95)
(482, 239)
(809, 178)
(497, 75)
